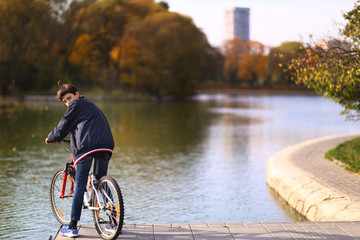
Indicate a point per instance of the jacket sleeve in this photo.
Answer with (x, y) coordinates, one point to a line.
(66, 124)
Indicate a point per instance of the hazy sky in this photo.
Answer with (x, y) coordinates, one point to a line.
(271, 21)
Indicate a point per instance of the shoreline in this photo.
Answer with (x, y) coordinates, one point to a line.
(258, 90)
(135, 97)
(314, 196)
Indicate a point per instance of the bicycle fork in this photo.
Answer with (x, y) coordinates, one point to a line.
(71, 190)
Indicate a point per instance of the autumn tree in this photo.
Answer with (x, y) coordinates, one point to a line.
(233, 50)
(133, 44)
(252, 67)
(64, 37)
(245, 63)
(24, 26)
(332, 67)
(278, 61)
(164, 54)
(102, 25)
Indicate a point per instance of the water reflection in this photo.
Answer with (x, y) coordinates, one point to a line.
(201, 160)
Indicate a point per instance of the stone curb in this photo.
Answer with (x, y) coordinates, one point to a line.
(310, 197)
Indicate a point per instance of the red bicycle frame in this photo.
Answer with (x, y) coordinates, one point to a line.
(67, 177)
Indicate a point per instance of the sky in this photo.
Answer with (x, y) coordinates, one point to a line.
(271, 21)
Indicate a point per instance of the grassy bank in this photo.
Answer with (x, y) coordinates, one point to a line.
(347, 155)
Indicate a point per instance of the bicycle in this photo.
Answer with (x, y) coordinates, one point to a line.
(103, 198)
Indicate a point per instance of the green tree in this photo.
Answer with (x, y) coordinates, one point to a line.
(213, 71)
(332, 67)
(279, 59)
(164, 5)
(140, 9)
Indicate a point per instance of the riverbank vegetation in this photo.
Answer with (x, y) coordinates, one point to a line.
(346, 154)
(142, 47)
(133, 46)
(332, 67)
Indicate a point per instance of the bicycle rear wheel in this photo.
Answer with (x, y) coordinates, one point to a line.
(61, 205)
(109, 218)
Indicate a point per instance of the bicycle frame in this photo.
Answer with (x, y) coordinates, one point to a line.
(66, 176)
(90, 185)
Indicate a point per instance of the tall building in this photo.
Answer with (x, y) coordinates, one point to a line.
(237, 23)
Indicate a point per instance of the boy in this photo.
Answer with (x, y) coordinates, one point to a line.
(91, 138)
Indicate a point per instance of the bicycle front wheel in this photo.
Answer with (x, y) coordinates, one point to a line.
(109, 217)
(61, 204)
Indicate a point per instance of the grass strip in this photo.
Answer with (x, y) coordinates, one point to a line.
(346, 154)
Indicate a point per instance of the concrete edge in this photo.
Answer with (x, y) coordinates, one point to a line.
(310, 197)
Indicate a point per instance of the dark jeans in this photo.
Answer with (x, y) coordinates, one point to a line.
(81, 178)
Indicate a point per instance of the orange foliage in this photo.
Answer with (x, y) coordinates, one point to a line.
(247, 60)
(233, 50)
(83, 52)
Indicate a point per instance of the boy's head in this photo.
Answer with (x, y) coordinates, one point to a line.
(67, 93)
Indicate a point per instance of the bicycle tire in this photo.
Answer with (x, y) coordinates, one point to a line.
(110, 197)
(61, 207)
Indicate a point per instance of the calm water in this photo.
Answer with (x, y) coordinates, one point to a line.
(201, 160)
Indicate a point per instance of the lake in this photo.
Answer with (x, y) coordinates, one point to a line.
(199, 160)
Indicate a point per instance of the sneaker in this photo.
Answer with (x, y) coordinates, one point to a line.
(109, 228)
(72, 233)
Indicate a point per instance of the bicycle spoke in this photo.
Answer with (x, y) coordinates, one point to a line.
(108, 198)
(61, 206)
(110, 216)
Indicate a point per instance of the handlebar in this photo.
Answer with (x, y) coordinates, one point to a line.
(67, 141)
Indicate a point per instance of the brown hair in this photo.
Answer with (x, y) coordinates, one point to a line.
(64, 89)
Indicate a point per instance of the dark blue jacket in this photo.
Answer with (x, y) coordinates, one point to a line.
(90, 131)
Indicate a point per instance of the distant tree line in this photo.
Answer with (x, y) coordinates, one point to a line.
(134, 45)
(248, 64)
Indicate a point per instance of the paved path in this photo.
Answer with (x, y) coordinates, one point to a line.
(317, 188)
(311, 159)
(231, 231)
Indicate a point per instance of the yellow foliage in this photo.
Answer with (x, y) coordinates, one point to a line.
(84, 52)
(115, 53)
(129, 52)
